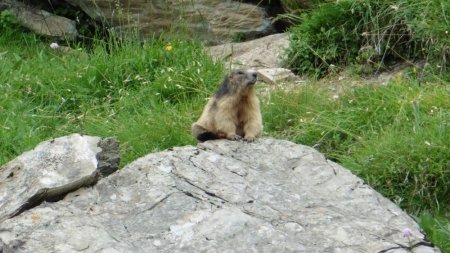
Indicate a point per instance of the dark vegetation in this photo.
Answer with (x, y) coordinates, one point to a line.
(374, 34)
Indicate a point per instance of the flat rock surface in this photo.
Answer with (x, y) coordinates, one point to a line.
(222, 196)
(265, 52)
(277, 76)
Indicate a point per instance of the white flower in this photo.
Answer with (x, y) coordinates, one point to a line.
(406, 232)
(54, 45)
(394, 7)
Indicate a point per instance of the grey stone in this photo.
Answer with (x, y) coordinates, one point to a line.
(40, 21)
(221, 196)
(276, 75)
(53, 169)
(265, 52)
(213, 21)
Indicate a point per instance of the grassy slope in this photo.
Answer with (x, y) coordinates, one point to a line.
(132, 93)
(396, 137)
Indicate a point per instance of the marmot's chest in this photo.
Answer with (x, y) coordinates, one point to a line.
(242, 108)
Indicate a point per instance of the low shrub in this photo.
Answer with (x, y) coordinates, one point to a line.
(325, 38)
(374, 33)
(8, 20)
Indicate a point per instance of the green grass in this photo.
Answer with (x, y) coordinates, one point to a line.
(437, 229)
(395, 137)
(130, 90)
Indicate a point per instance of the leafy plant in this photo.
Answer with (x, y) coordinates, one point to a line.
(327, 37)
(436, 229)
(8, 20)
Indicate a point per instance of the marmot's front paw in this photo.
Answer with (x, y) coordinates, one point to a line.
(250, 138)
(235, 137)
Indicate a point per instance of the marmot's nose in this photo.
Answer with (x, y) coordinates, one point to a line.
(254, 74)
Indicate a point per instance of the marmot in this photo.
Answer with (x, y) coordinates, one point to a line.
(233, 112)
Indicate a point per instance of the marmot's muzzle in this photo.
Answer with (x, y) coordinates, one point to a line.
(253, 79)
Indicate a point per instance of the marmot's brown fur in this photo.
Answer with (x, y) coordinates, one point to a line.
(233, 112)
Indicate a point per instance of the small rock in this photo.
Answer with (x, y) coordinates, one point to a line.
(265, 52)
(42, 22)
(53, 169)
(276, 75)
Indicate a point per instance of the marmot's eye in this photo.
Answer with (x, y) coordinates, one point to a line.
(240, 72)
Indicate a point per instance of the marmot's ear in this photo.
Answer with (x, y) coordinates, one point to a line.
(223, 89)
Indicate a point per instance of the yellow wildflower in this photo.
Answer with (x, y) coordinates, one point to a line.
(168, 47)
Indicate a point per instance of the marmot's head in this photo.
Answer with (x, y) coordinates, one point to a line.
(238, 81)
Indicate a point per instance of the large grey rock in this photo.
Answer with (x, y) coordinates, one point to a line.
(211, 20)
(222, 196)
(214, 21)
(53, 169)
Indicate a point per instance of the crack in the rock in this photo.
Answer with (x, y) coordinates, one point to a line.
(331, 165)
(200, 199)
(257, 216)
(208, 172)
(401, 246)
(157, 203)
(209, 193)
(107, 162)
(55, 194)
(192, 195)
(197, 166)
(275, 221)
(265, 218)
(212, 194)
(189, 194)
(234, 172)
